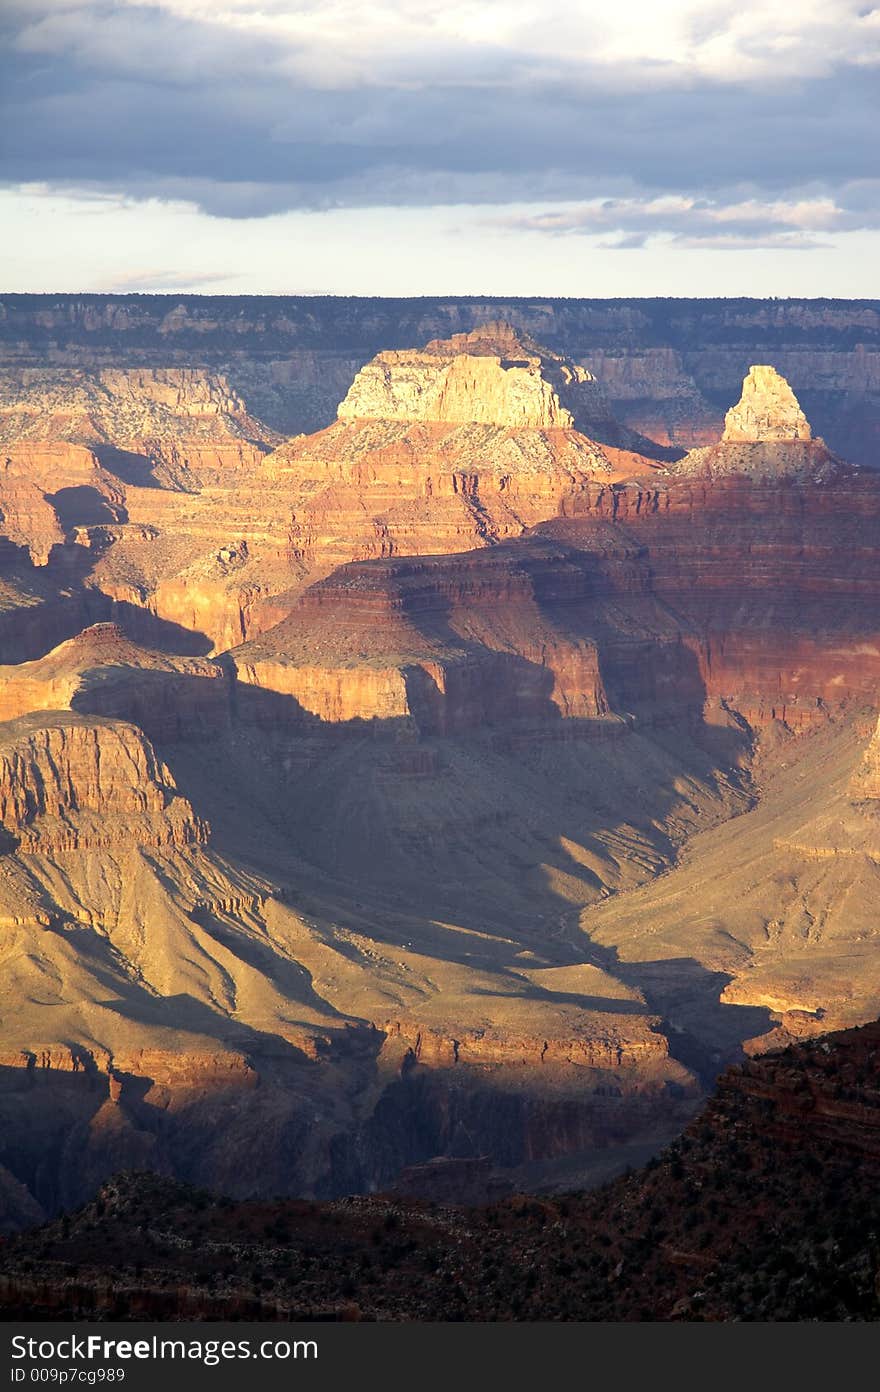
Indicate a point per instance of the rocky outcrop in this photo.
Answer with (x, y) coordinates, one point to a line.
(639, 1057)
(67, 782)
(173, 425)
(49, 489)
(157, 1110)
(494, 375)
(766, 435)
(768, 578)
(866, 778)
(460, 444)
(366, 489)
(660, 599)
(820, 1091)
(767, 410)
(739, 1219)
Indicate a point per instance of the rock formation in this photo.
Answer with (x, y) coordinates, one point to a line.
(452, 645)
(69, 783)
(49, 490)
(129, 474)
(101, 672)
(494, 375)
(175, 425)
(767, 410)
(669, 367)
(866, 778)
(766, 434)
(740, 1218)
(464, 443)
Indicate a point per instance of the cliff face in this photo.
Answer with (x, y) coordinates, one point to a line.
(67, 783)
(48, 490)
(102, 672)
(767, 410)
(455, 645)
(464, 443)
(226, 558)
(751, 593)
(365, 489)
(98, 466)
(866, 779)
(494, 380)
(494, 375)
(766, 435)
(181, 423)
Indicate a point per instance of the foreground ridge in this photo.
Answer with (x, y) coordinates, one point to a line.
(766, 1209)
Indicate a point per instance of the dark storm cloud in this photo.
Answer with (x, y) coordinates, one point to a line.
(149, 103)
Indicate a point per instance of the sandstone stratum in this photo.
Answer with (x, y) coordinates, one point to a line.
(471, 777)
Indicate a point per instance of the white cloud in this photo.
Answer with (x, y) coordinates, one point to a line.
(689, 221)
(410, 43)
(152, 280)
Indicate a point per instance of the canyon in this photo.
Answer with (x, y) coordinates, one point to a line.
(472, 778)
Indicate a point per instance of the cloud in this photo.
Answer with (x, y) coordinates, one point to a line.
(688, 221)
(413, 42)
(249, 108)
(154, 281)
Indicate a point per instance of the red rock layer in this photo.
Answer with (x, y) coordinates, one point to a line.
(773, 585)
(661, 598)
(453, 643)
(102, 672)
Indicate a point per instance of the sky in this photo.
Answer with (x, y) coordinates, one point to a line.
(415, 147)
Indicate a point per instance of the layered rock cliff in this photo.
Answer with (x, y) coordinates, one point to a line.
(463, 443)
(454, 645)
(100, 671)
(69, 783)
(494, 375)
(767, 410)
(50, 490)
(764, 1210)
(176, 425)
(103, 472)
(381, 488)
